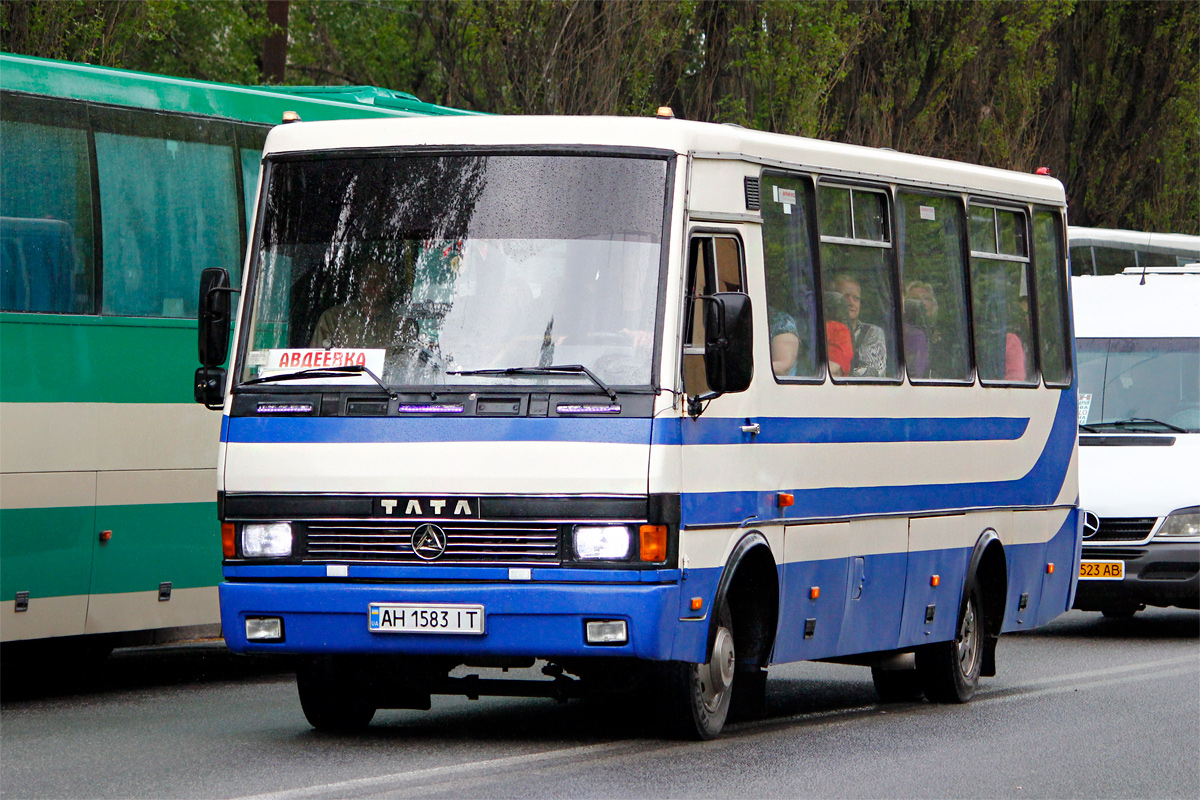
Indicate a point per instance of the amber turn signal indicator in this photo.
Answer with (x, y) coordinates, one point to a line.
(227, 540)
(654, 543)
(697, 603)
(785, 499)
(814, 592)
(1050, 568)
(934, 580)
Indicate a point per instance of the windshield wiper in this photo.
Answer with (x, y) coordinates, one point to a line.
(1133, 422)
(1088, 428)
(557, 369)
(320, 372)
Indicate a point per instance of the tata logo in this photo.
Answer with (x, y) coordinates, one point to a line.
(426, 507)
(429, 541)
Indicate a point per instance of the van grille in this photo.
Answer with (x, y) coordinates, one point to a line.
(1123, 529)
(466, 543)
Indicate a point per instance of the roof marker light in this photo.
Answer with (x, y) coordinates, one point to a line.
(290, 116)
(665, 112)
(1043, 171)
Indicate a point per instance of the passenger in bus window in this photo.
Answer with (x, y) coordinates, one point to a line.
(370, 319)
(785, 343)
(870, 346)
(1016, 355)
(838, 343)
(916, 340)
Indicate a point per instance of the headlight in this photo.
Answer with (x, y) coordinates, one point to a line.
(1181, 522)
(267, 540)
(602, 542)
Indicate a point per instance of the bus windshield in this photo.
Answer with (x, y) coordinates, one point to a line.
(427, 269)
(1144, 385)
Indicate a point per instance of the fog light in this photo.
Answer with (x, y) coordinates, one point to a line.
(269, 540)
(607, 631)
(264, 629)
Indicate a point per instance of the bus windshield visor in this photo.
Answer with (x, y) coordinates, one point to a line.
(1139, 385)
(427, 269)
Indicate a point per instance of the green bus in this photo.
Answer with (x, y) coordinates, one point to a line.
(118, 188)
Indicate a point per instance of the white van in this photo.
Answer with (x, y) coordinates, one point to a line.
(1138, 342)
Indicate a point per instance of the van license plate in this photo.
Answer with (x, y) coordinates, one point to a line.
(425, 618)
(1101, 570)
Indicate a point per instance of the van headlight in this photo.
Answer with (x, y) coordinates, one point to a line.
(602, 542)
(1181, 522)
(267, 540)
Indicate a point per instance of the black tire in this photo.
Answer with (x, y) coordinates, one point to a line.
(897, 685)
(698, 695)
(330, 698)
(949, 671)
(749, 695)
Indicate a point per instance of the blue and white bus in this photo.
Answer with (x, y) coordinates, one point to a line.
(648, 400)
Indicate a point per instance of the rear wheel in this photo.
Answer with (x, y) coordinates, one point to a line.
(698, 695)
(949, 671)
(330, 698)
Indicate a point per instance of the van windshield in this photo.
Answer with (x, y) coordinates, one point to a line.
(1139, 384)
(427, 269)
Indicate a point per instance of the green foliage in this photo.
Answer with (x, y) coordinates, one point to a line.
(1106, 94)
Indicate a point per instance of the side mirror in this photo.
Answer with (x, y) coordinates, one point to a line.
(209, 387)
(214, 316)
(728, 344)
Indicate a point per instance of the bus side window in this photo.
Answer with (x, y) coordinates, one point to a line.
(45, 207)
(168, 209)
(1004, 345)
(791, 285)
(932, 271)
(1053, 331)
(856, 263)
(714, 265)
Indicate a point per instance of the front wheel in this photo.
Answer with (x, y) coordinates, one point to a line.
(329, 697)
(698, 695)
(950, 670)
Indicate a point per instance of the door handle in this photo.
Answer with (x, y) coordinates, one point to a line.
(752, 428)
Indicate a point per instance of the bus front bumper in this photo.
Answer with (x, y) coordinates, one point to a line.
(538, 620)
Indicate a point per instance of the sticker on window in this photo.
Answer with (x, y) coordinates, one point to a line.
(1085, 406)
(298, 358)
(928, 212)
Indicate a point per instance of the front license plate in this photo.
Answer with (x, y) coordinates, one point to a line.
(1101, 570)
(425, 618)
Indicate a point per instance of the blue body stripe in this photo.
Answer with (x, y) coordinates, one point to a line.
(838, 430)
(364, 430)
(672, 431)
(1039, 487)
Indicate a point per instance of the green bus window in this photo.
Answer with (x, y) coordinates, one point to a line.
(932, 273)
(168, 211)
(1051, 294)
(251, 164)
(45, 219)
(791, 287)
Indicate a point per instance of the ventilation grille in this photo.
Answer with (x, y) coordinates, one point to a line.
(1124, 529)
(466, 543)
(753, 194)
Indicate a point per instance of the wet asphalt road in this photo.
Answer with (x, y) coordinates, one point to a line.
(1086, 707)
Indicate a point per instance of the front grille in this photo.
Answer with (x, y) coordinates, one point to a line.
(1123, 529)
(466, 543)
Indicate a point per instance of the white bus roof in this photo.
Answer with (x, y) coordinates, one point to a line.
(701, 139)
(1121, 306)
(1131, 240)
